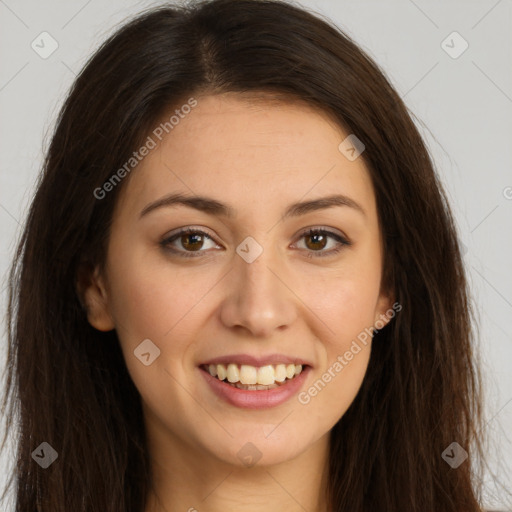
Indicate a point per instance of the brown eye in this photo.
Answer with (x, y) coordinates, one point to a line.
(188, 242)
(192, 241)
(317, 239)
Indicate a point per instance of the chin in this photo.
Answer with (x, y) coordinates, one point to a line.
(261, 445)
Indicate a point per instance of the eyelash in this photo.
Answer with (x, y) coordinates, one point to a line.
(343, 242)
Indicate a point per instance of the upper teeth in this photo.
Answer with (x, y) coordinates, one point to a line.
(246, 374)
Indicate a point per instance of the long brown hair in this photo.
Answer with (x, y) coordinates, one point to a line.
(67, 383)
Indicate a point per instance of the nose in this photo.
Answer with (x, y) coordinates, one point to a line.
(259, 299)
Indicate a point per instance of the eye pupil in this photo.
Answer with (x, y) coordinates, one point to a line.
(322, 241)
(197, 240)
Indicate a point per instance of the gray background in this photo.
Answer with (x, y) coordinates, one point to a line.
(462, 106)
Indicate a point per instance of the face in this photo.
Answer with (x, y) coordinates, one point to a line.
(254, 288)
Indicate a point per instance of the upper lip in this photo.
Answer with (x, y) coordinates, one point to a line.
(257, 360)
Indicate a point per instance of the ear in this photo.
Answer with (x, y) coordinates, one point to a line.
(92, 293)
(386, 309)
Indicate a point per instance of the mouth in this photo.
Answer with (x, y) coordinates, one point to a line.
(253, 378)
(255, 387)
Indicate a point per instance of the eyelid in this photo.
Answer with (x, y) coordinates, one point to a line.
(327, 230)
(188, 229)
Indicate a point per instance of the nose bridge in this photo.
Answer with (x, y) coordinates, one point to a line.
(260, 300)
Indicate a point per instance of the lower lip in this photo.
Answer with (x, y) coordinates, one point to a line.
(258, 399)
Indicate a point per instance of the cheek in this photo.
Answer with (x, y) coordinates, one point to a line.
(149, 302)
(334, 387)
(348, 311)
(346, 300)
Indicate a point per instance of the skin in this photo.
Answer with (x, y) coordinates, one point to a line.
(258, 157)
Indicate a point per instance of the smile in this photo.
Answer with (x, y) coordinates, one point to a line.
(254, 387)
(253, 378)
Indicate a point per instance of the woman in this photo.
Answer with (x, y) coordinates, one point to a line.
(240, 285)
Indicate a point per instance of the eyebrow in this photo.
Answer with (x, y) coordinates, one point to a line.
(214, 207)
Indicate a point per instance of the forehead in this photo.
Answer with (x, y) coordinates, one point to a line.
(250, 151)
